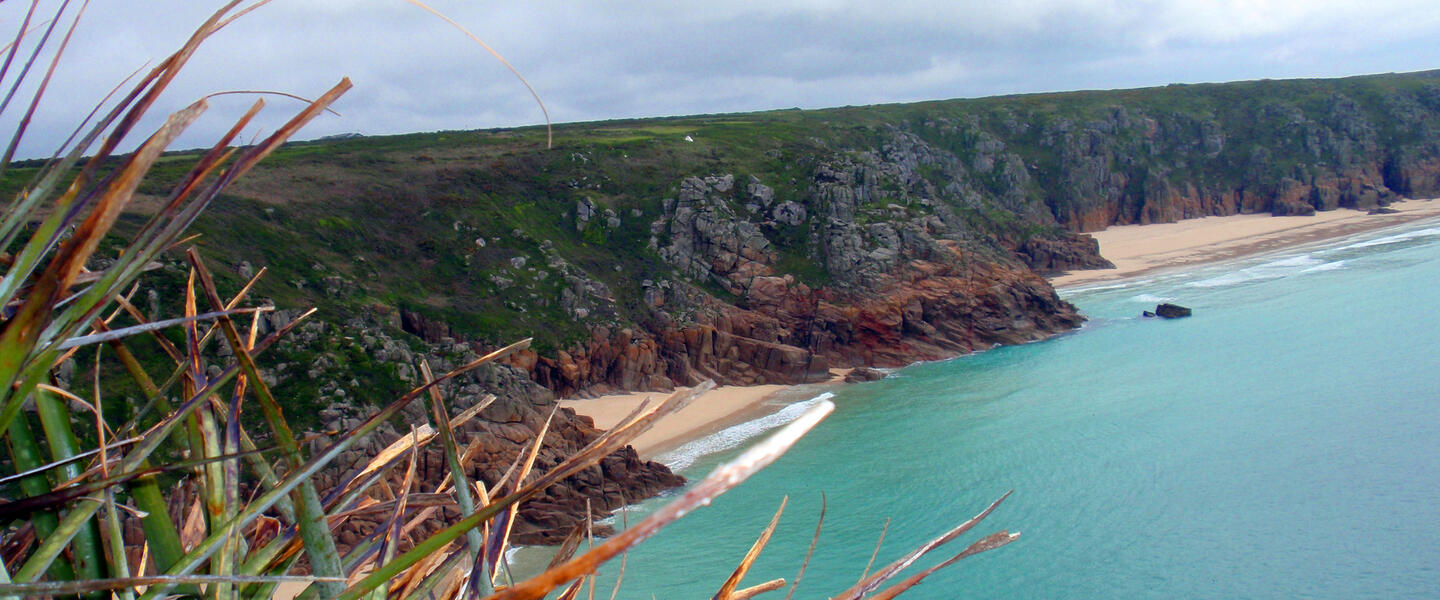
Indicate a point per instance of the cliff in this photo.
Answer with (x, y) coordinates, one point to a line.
(766, 247)
(771, 246)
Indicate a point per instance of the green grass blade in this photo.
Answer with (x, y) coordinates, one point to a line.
(461, 483)
(213, 490)
(32, 327)
(119, 563)
(4, 579)
(50, 588)
(26, 456)
(266, 590)
(160, 532)
(86, 550)
(293, 479)
(310, 514)
(83, 510)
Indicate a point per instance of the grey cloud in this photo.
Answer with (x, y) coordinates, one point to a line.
(631, 59)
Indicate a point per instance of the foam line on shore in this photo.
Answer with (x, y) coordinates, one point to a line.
(1392, 239)
(1166, 248)
(687, 454)
(1301, 259)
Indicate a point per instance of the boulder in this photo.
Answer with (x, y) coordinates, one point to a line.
(1289, 207)
(1171, 311)
(859, 374)
(1070, 252)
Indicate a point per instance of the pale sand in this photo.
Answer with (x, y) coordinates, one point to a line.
(1147, 249)
(721, 407)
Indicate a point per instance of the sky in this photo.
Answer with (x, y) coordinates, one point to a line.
(621, 59)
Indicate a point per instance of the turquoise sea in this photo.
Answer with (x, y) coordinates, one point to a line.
(1284, 442)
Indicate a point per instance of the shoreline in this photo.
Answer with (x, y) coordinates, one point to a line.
(1136, 250)
(718, 409)
(1139, 250)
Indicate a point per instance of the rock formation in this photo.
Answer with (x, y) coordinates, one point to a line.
(775, 246)
(1171, 311)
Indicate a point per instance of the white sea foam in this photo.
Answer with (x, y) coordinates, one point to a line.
(1085, 289)
(1303, 260)
(1150, 299)
(1391, 239)
(1329, 266)
(1111, 286)
(725, 439)
(1274, 269)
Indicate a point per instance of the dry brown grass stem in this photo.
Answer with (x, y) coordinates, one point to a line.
(727, 589)
(753, 591)
(814, 541)
(549, 134)
(270, 93)
(876, 552)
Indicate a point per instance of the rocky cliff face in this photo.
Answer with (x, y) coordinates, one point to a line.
(763, 248)
(1182, 152)
(900, 275)
(921, 236)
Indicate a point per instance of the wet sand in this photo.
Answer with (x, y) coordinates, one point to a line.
(721, 407)
(1146, 249)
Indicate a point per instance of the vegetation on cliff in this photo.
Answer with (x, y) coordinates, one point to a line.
(766, 247)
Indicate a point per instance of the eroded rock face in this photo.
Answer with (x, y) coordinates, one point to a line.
(1131, 167)
(1050, 256)
(708, 239)
(904, 282)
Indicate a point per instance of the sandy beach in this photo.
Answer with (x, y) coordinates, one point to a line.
(1146, 249)
(1135, 249)
(720, 408)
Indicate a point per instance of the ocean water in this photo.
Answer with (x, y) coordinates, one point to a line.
(1284, 442)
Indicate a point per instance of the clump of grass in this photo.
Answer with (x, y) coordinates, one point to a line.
(245, 508)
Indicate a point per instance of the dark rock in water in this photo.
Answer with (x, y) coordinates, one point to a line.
(1147, 314)
(1383, 210)
(859, 374)
(1171, 311)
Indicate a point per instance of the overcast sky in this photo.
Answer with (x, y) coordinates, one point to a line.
(604, 60)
